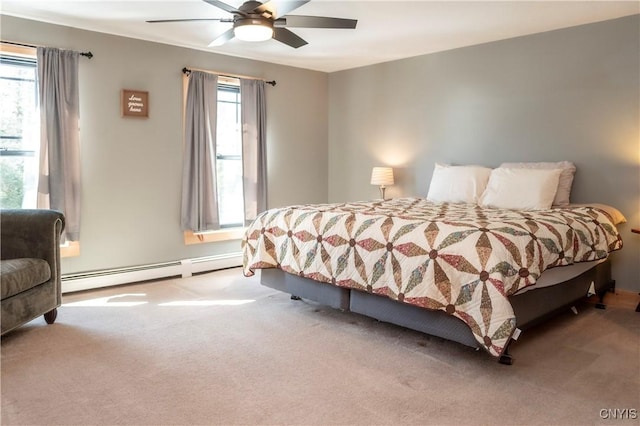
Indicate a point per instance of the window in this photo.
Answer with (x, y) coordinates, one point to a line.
(229, 157)
(228, 164)
(19, 133)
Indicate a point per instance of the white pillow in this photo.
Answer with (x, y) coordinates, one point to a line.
(457, 184)
(566, 177)
(524, 189)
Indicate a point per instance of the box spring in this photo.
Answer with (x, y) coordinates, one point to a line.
(530, 308)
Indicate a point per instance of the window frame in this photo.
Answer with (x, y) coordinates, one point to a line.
(231, 86)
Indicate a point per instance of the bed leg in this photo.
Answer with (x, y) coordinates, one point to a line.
(611, 289)
(506, 357)
(294, 297)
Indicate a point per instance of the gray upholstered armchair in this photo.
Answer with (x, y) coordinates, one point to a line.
(29, 266)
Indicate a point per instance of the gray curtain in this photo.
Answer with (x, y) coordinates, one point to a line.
(199, 193)
(254, 149)
(59, 180)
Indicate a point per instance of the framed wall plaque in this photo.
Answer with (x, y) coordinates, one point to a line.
(134, 103)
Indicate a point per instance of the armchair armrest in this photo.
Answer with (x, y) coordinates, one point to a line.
(32, 233)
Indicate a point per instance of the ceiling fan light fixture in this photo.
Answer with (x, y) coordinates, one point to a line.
(253, 29)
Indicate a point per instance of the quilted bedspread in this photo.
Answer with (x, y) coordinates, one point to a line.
(458, 258)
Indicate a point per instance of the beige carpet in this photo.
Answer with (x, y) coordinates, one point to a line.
(219, 348)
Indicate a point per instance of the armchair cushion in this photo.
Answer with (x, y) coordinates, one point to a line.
(19, 275)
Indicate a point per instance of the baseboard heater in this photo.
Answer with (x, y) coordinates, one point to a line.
(178, 268)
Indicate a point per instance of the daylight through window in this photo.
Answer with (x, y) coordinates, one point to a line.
(19, 133)
(229, 157)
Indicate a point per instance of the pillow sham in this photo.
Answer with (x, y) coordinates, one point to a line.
(523, 189)
(566, 177)
(457, 184)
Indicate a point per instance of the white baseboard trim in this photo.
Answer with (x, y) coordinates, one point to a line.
(179, 268)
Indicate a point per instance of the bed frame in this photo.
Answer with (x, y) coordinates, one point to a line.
(531, 307)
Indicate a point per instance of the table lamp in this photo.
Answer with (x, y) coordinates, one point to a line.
(382, 176)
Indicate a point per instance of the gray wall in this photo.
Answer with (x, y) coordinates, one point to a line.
(131, 167)
(571, 94)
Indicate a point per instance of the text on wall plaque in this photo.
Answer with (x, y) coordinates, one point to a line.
(135, 103)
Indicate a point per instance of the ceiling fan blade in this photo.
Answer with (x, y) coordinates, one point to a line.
(222, 38)
(287, 37)
(157, 21)
(299, 21)
(224, 6)
(279, 8)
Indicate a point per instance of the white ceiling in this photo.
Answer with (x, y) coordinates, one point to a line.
(386, 31)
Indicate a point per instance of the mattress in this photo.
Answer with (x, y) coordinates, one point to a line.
(561, 274)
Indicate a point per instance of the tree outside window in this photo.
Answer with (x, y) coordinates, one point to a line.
(18, 132)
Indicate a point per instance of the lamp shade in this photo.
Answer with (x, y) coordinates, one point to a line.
(382, 176)
(253, 29)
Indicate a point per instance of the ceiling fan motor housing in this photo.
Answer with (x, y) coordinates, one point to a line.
(249, 6)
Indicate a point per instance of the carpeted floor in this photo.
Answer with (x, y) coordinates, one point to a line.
(219, 348)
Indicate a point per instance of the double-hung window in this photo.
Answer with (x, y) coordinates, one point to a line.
(19, 132)
(229, 156)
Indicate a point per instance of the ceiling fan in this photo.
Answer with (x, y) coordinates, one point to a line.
(257, 21)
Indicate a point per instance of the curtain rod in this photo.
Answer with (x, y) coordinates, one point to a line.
(187, 71)
(87, 54)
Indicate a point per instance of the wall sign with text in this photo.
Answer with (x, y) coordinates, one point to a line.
(135, 103)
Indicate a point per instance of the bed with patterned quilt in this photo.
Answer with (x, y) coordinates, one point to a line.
(460, 264)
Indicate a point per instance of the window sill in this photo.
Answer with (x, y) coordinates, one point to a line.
(70, 249)
(213, 236)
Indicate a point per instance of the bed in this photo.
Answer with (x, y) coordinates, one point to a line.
(464, 271)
